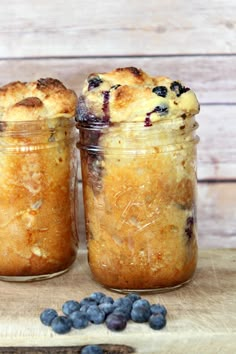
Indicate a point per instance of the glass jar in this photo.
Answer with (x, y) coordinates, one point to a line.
(38, 231)
(139, 186)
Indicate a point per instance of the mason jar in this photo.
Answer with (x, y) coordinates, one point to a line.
(139, 188)
(38, 228)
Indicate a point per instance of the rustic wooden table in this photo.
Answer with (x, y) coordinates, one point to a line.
(201, 315)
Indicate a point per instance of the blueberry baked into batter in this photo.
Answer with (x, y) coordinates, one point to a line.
(138, 150)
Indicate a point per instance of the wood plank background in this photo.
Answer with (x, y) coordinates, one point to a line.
(194, 41)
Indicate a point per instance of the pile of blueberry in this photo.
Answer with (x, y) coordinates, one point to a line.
(99, 308)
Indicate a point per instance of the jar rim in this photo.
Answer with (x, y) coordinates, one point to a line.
(34, 126)
(164, 135)
(167, 148)
(136, 124)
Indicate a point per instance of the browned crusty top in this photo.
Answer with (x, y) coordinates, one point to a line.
(129, 94)
(44, 98)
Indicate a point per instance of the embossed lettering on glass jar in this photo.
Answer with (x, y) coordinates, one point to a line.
(38, 165)
(139, 185)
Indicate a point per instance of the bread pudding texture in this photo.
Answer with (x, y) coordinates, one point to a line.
(138, 152)
(37, 176)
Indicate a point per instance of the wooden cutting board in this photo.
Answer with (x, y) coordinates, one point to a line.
(201, 316)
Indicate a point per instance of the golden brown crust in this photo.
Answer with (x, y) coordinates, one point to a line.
(44, 98)
(30, 102)
(49, 84)
(133, 95)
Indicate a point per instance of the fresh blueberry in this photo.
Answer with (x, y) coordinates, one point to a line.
(88, 301)
(160, 91)
(158, 309)
(157, 321)
(123, 310)
(97, 296)
(106, 307)
(133, 297)
(95, 314)
(94, 82)
(141, 303)
(79, 319)
(106, 299)
(162, 109)
(140, 311)
(85, 307)
(61, 324)
(123, 301)
(47, 316)
(178, 88)
(70, 306)
(92, 349)
(116, 322)
(140, 314)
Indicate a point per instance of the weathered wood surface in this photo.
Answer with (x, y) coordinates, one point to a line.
(201, 316)
(217, 147)
(217, 215)
(213, 78)
(107, 349)
(58, 28)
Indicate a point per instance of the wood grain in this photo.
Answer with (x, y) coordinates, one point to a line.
(217, 215)
(107, 349)
(32, 28)
(217, 148)
(201, 316)
(213, 78)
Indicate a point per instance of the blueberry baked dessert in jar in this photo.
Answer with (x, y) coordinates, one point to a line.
(38, 166)
(138, 157)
